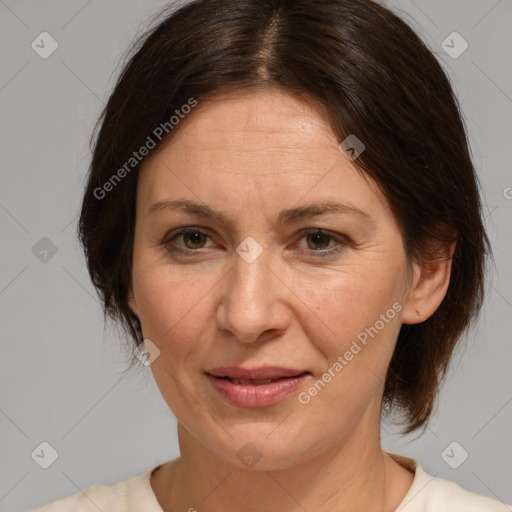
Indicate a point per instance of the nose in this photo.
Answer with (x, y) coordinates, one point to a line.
(253, 306)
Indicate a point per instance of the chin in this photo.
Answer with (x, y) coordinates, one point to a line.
(263, 449)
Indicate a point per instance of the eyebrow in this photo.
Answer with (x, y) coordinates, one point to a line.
(285, 216)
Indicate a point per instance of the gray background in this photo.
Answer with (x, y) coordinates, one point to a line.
(61, 369)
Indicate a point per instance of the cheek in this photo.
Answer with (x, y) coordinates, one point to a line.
(175, 316)
(345, 305)
(173, 309)
(353, 323)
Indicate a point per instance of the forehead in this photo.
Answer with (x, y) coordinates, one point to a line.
(268, 118)
(253, 143)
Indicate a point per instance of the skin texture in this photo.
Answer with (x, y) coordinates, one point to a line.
(250, 156)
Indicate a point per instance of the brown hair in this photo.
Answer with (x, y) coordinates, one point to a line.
(377, 80)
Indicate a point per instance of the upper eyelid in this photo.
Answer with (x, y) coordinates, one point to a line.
(182, 231)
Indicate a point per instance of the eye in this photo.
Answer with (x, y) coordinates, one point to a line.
(318, 243)
(194, 240)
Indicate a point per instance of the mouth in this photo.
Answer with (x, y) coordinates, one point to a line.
(259, 387)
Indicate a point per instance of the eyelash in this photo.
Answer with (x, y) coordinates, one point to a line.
(341, 242)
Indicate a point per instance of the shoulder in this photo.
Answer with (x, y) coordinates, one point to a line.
(107, 498)
(450, 496)
(432, 494)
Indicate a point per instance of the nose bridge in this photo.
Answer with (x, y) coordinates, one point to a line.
(250, 277)
(250, 302)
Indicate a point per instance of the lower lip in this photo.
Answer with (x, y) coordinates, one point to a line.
(261, 395)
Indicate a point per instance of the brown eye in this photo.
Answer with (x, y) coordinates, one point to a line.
(194, 239)
(318, 239)
(320, 244)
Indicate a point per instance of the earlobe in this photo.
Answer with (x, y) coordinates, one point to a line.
(131, 303)
(429, 286)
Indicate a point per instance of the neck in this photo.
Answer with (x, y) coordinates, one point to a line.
(355, 476)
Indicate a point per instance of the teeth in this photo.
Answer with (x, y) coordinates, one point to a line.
(255, 382)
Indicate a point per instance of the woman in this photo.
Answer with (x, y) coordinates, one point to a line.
(282, 207)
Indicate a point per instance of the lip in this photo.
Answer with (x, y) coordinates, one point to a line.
(263, 372)
(252, 395)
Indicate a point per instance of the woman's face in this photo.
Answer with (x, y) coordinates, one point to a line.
(267, 278)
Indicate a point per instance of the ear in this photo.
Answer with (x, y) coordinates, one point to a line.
(431, 278)
(132, 303)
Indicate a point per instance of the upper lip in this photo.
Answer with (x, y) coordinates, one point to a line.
(264, 372)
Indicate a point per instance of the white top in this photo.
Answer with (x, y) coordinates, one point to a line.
(427, 494)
